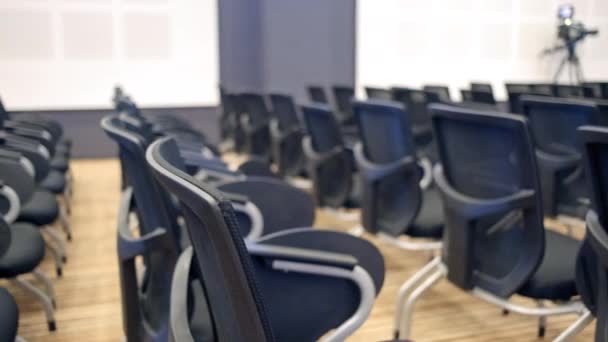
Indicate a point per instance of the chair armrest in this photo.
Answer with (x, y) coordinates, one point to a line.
(273, 253)
(557, 163)
(319, 158)
(474, 208)
(178, 309)
(129, 246)
(375, 171)
(14, 204)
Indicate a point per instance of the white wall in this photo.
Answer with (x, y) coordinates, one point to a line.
(70, 53)
(416, 42)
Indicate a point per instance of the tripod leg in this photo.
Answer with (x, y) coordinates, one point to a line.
(559, 69)
(579, 71)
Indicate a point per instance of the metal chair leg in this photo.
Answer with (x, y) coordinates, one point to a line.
(48, 285)
(65, 223)
(581, 323)
(42, 297)
(542, 321)
(407, 286)
(408, 309)
(56, 236)
(58, 258)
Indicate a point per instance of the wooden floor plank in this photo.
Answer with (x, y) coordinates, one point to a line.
(89, 296)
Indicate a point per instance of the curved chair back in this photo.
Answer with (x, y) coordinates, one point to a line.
(145, 305)
(386, 160)
(378, 93)
(287, 135)
(330, 163)
(592, 263)
(567, 90)
(317, 95)
(485, 87)
(256, 124)
(482, 96)
(14, 169)
(553, 122)
(343, 97)
(443, 92)
(415, 102)
(490, 188)
(221, 260)
(36, 153)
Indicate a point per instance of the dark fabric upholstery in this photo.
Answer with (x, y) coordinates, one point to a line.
(25, 253)
(54, 182)
(304, 307)
(554, 278)
(9, 316)
(429, 222)
(60, 163)
(41, 209)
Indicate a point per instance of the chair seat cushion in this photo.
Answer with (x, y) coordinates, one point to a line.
(54, 182)
(60, 163)
(429, 222)
(9, 316)
(25, 252)
(41, 209)
(554, 278)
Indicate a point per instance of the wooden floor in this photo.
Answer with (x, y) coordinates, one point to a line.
(88, 295)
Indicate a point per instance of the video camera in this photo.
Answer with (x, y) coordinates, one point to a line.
(570, 31)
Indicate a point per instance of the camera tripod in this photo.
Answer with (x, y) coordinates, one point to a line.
(571, 62)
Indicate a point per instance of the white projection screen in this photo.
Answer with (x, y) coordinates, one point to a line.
(454, 42)
(63, 54)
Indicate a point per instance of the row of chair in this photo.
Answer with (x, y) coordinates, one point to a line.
(395, 200)
(36, 186)
(227, 254)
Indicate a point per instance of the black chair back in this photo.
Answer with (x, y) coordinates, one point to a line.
(442, 91)
(317, 95)
(490, 188)
(343, 97)
(330, 164)
(378, 93)
(221, 261)
(485, 87)
(592, 263)
(287, 136)
(482, 93)
(256, 124)
(386, 160)
(145, 304)
(553, 122)
(415, 102)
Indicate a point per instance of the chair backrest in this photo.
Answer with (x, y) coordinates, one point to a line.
(391, 201)
(415, 102)
(567, 90)
(222, 262)
(343, 97)
(466, 95)
(482, 93)
(378, 93)
(151, 208)
(285, 111)
(602, 108)
(547, 89)
(485, 87)
(322, 127)
(255, 108)
(257, 133)
(331, 168)
(592, 263)
(494, 236)
(553, 122)
(600, 89)
(441, 90)
(317, 94)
